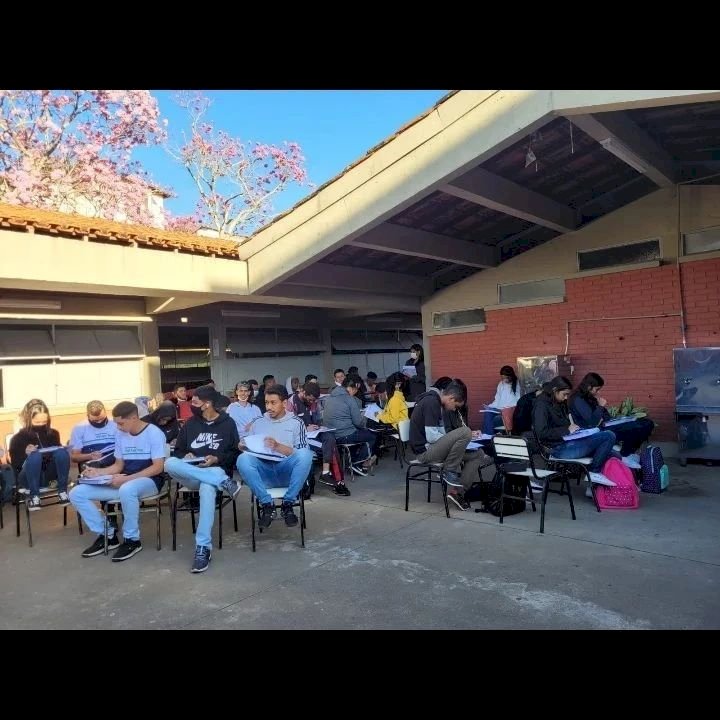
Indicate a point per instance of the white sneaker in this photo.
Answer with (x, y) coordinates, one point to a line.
(63, 498)
(630, 462)
(600, 479)
(33, 503)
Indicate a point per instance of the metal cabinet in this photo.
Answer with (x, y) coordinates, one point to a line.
(534, 371)
(697, 403)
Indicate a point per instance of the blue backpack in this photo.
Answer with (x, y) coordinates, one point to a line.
(655, 473)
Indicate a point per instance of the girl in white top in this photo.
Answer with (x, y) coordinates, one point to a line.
(243, 412)
(506, 396)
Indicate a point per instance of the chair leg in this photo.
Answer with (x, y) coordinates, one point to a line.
(220, 514)
(546, 487)
(407, 489)
(80, 527)
(235, 515)
(443, 487)
(302, 521)
(17, 515)
(65, 516)
(2, 521)
(192, 517)
(502, 496)
(252, 519)
(173, 519)
(27, 517)
(429, 482)
(158, 503)
(572, 504)
(529, 491)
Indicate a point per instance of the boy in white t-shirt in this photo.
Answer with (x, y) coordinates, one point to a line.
(137, 473)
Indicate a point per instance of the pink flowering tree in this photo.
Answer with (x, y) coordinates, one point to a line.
(60, 149)
(236, 181)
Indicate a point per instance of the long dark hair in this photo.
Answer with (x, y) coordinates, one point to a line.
(507, 371)
(556, 384)
(421, 355)
(589, 382)
(392, 380)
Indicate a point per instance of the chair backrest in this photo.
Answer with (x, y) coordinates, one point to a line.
(511, 447)
(404, 430)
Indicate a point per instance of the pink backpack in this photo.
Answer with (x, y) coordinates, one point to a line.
(625, 495)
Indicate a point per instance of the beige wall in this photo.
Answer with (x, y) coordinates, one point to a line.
(653, 216)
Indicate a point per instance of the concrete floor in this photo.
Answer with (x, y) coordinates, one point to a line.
(369, 564)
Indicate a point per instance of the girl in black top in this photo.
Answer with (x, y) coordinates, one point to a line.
(33, 468)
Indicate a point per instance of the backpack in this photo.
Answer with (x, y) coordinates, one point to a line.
(488, 493)
(655, 473)
(625, 494)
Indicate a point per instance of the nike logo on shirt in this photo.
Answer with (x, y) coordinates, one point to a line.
(209, 440)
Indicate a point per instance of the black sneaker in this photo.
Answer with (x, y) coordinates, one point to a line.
(98, 547)
(459, 500)
(287, 512)
(341, 489)
(360, 470)
(127, 550)
(327, 479)
(266, 515)
(203, 556)
(231, 487)
(63, 499)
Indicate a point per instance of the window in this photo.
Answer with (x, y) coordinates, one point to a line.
(639, 252)
(373, 341)
(78, 341)
(701, 241)
(534, 290)
(458, 318)
(21, 341)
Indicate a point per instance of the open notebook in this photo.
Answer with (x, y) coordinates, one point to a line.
(255, 445)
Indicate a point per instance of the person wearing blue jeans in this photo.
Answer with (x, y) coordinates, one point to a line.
(288, 462)
(211, 435)
(137, 473)
(552, 422)
(33, 468)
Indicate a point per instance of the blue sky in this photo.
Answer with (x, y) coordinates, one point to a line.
(333, 127)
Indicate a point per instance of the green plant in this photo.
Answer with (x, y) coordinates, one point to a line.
(627, 407)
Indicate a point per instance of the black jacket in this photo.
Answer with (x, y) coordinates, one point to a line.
(550, 420)
(522, 416)
(166, 410)
(259, 400)
(416, 385)
(427, 413)
(219, 438)
(587, 413)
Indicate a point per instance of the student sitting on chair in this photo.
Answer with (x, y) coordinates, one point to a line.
(432, 443)
(210, 434)
(342, 412)
(304, 404)
(242, 411)
(552, 421)
(90, 437)
(284, 435)
(507, 395)
(137, 473)
(392, 401)
(522, 416)
(589, 410)
(38, 467)
(164, 417)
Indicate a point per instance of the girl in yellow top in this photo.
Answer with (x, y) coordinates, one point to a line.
(395, 408)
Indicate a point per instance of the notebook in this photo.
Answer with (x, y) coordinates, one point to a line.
(409, 370)
(581, 434)
(98, 480)
(255, 445)
(372, 410)
(312, 434)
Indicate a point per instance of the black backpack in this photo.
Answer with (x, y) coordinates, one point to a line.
(488, 493)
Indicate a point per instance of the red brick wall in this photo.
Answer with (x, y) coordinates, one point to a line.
(633, 356)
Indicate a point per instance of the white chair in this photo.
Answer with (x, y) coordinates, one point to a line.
(516, 449)
(401, 438)
(277, 494)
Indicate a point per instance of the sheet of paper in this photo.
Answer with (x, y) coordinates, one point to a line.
(581, 434)
(312, 434)
(99, 480)
(372, 410)
(409, 370)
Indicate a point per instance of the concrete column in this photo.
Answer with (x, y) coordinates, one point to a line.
(151, 361)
